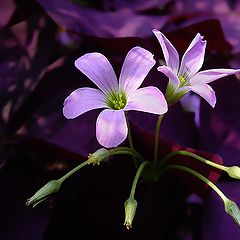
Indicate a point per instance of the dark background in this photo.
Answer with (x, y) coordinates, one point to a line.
(39, 42)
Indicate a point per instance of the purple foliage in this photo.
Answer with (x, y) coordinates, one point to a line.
(39, 42)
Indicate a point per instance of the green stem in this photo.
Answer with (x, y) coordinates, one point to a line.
(201, 177)
(126, 150)
(159, 121)
(190, 154)
(130, 140)
(129, 134)
(67, 175)
(114, 151)
(134, 184)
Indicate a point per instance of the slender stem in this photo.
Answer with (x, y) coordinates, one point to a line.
(139, 171)
(130, 140)
(114, 151)
(201, 177)
(190, 154)
(126, 150)
(63, 178)
(159, 121)
(123, 152)
(129, 134)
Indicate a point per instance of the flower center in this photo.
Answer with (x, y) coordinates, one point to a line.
(182, 80)
(116, 101)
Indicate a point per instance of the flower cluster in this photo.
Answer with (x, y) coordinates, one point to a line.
(117, 96)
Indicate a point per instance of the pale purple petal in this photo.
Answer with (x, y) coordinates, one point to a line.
(173, 78)
(98, 69)
(148, 99)
(210, 75)
(206, 92)
(111, 128)
(83, 100)
(136, 66)
(193, 58)
(191, 103)
(170, 53)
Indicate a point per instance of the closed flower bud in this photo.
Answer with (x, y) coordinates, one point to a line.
(234, 172)
(130, 209)
(44, 192)
(98, 156)
(232, 209)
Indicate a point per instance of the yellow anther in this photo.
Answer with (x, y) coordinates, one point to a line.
(116, 101)
(182, 80)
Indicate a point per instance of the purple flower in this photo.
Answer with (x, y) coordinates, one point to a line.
(184, 76)
(111, 125)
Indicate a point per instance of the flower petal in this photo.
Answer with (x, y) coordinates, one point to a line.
(170, 53)
(82, 100)
(147, 99)
(173, 78)
(98, 69)
(210, 75)
(191, 103)
(193, 58)
(136, 66)
(111, 128)
(206, 92)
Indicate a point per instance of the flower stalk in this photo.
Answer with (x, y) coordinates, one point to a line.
(233, 171)
(100, 155)
(53, 186)
(126, 150)
(131, 204)
(230, 206)
(157, 130)
(95, 158)
(130, 140)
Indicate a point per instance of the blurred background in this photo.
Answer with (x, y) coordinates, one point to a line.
(39, 42)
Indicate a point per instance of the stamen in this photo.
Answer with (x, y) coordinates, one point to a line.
(116, 101)
(182, 80)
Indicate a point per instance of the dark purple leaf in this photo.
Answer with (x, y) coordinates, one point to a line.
(109, 24)
(25, 53)
(145, 144)
(7, 8)
(227, 12)
(219, 128)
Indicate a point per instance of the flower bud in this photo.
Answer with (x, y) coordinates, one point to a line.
(232, 209)
(130, 209)
(44, 192)
(234, 172)
(98, 156)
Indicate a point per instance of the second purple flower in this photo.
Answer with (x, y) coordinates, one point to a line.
(185, 76)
